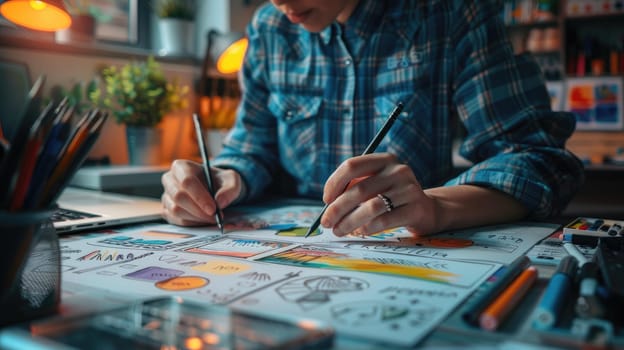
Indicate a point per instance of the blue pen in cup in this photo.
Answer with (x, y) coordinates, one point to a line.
(555, 295)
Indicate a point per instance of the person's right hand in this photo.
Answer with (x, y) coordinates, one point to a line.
(186, 200)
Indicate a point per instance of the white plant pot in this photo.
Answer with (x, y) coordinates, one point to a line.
(176, 37)
(144, 145)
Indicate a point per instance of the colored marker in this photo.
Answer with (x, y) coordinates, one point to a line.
(556, 294)
(588, 304)
(509, 273)
(496, 313)
(596, 224)
(573, 250)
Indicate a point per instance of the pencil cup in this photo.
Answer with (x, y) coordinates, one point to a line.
(30, 260)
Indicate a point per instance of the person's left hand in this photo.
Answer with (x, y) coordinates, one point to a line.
(361, 209)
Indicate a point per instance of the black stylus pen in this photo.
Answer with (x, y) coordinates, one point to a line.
(207, 171)
(370, 149)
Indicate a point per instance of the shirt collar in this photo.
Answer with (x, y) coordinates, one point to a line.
(364, 20)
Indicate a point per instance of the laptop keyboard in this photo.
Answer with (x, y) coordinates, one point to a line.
(63, 214)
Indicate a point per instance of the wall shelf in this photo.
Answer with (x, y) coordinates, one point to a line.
(22, 39)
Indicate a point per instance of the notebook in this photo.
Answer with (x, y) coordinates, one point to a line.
(81, 209)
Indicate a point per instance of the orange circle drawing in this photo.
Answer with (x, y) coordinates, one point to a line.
(449, 242)
(182, 283)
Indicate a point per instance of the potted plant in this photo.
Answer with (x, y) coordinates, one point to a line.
(138, 95)
(175, 26)
(84, 17)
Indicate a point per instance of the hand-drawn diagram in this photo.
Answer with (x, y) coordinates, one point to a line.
(152, 240)
(388, 292)
(292, 222)
(154, 273)
(309, 292)
(441, 271)
(236, 247)
(501, 243)
(181, 283)
(388, 309)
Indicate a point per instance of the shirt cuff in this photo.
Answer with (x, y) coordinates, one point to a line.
(255, 178)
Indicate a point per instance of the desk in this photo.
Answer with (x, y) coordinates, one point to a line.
(395, 295)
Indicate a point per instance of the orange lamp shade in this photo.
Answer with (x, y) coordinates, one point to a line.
(231, 59)
(40, 15)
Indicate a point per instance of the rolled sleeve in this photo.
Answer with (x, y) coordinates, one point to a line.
(515, 140)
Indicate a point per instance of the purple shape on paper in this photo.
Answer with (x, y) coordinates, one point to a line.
(154, 273)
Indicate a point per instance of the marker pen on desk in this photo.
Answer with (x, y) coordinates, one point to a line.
(588, 304)
(555, 294)
(495, 314)
(509, 273)
(573, 250)
(615, 230)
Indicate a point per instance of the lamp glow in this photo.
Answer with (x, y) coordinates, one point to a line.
(231, 59)
(47, 16)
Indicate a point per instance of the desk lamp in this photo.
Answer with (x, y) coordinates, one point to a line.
(225, 51)
(223, 59)
(43, 15)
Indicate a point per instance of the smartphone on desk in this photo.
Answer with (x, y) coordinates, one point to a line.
(170, 323)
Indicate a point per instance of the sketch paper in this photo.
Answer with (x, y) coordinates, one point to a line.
(398, 305)
(497, 243)
(290, 223)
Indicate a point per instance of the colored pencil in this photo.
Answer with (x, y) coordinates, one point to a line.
(509, 273)
(495, 314)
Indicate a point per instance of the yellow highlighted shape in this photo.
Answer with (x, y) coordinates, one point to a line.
(222, 267)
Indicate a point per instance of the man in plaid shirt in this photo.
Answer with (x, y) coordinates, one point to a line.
(321, 76)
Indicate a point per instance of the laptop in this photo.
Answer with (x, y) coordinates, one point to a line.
(81, 209)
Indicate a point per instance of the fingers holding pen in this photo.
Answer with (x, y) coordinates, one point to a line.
(185, 194)
(377, 191)
(186, 199)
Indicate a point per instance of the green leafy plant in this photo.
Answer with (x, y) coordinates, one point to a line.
(78, 95)
(180, 9)
(138, 93)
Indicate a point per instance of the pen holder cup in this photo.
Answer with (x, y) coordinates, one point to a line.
(30, 275)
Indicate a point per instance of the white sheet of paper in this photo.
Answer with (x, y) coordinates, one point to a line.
(398, 304)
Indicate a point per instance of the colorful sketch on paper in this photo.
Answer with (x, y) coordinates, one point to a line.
(296, 232)
(312, 292)
(154, 274)
(282, 218)
(439, 242)
(182, 283)
(108, 255)
(223, 267)
(316, 257)
(154, 240)
(236, 247)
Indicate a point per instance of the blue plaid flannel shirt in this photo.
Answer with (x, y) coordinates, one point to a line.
(312, 100)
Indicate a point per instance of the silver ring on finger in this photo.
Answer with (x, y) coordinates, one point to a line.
(387, 202)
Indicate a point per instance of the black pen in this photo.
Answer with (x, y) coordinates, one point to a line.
(370, 149)
(207, 171)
